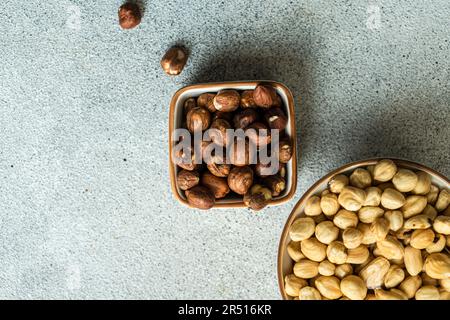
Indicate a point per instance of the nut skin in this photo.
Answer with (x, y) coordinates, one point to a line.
(219, 135)
(257, 198)
(200, 197)
(174, 60)
(247, 99)
(275, 183)
(198, 119)
(240, 179)
(129, 15)
(258, 133)
(265, 96)
(276, 118)
(285, 150)
(218, 186)
(187, 179)
(227, 100)
(245, 118)
(206, 100)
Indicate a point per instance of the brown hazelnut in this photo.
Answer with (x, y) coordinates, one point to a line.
(198, 119)
(285, 150)
(174, 61)
(240, 179)
(189, 104)
(247, 99)
(218, 186)
(206, 100)
(275, 183)
(276, 119)
(265, 96)
(219, 170)
(200, 197)
(219, 134)
(129, 15)
(240, 157)
(185, 160)
(227, 100)
(245, 118)
(265, 170)
(258, 133)
(257, 197)
(187, 179)
(223, 115)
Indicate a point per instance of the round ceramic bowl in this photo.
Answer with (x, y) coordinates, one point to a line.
(285, 264)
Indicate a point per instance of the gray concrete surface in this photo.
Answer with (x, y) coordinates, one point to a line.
(85, 204)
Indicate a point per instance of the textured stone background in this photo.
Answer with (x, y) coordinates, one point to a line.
(85, 204)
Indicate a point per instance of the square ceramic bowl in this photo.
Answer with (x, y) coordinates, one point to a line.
(285, 264)
(175, 121)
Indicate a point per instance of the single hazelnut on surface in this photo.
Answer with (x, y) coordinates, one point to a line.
(247, 99)
(187, 179)
(257, 197)
(227, 100)
(129, 15)
(174, 60)
(200, 197)
(265, 96)
(198, 119)
(240, 179)
(245, 118)
(206, 100)
(218, 186)
(189, 104)
(258, 133)
(285, 150)
(219, 134)
(275, 183)
(276, 118)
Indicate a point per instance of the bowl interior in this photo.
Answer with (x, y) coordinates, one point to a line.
(285, 264)
(286, 96)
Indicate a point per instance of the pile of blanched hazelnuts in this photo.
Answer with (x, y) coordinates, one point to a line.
(260, 109)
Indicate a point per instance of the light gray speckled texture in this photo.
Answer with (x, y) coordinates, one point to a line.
(77, 221)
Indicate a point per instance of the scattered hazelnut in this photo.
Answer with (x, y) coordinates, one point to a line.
(276, 119)
(247, 99)
(129, 15)
(200, 197)
(219, 134)
(265, 96)
(285, 150)
(206, 100)
(258, 133)
(174, 60)
(187, 179)
(240, 179)
(257, 197)
(218, 186)
(245, 118)
(198, 119)
(276, 184)
(227, 100)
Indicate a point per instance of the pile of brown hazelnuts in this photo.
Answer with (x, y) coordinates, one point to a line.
(260, 109)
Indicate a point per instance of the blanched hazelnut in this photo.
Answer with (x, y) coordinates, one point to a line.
(258, 197)
(370, 214)
(258, 133)
(390, 248)
(129, 15)
(395, 219)
(309, 293)
(247, 99)
(353, 287)
(302, 229)
(329, 204)
(326, 268)
(437, 266)
(200, 197)
(442, 225)
(174, 60)
(240, 179)
(206, 101)
(294, 251)
(443, 200)
(410, 285)
(292, 285)
(343, 270)
(227, 100)
(423, 185)
(420, 221)
(384, 170)
(380, 227)
(313, 249)
(433, 194)
(374, 272)
(245, 118)
(306, 269)
(414, 205)
(336, 252)
(394, 277)
(337, 183)
(427, 293)
(218, 186)
(358, 255)
(430, 212)
(265, 96)
(360, 178)
(393, 294)
(329, 287)
(312, 206)
(413, 260)
(352, 198)
(373, 197)
(345, 219)
(187, 179)
(421, 238)
(285, 151)
(198, 119)
(437, 245)
(392, 199)
(405, 180)
(369, 236)
(276, 119)
(352, 238)
(326, 232)
(218, 132)
(275, 183)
